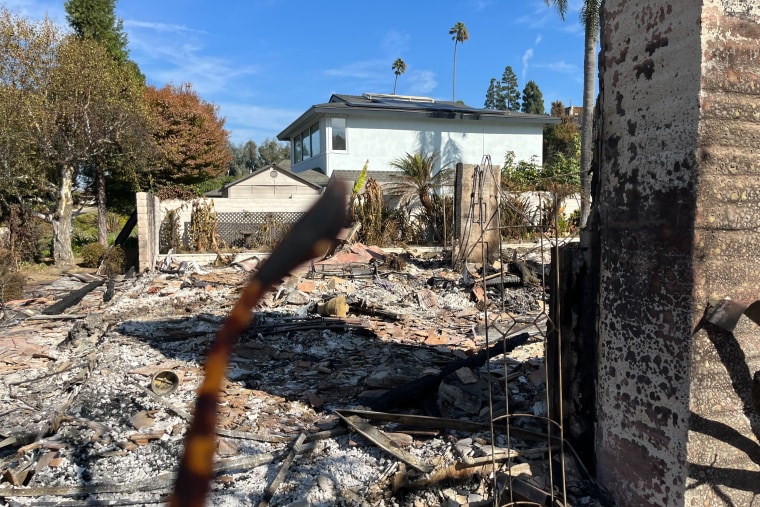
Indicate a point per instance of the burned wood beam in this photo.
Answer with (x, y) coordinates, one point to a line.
(382, 440)
(72, 298)
(414, 392)
(272, 488)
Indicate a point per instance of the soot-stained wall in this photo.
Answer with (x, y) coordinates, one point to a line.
(678, 207)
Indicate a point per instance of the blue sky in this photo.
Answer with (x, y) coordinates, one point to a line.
(264, 62)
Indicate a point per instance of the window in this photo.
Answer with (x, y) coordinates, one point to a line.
(306, 144)
(338, 134)
(297, 156)
(315, 148)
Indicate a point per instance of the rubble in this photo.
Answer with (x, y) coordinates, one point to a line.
(96, 401)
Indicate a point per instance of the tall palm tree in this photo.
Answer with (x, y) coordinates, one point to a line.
(399, 67)
(459, 34)
(417, 180)
(590, 19)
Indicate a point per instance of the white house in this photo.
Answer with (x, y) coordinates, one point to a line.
(339, 136)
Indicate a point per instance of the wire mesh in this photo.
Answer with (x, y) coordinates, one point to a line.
(504, 324)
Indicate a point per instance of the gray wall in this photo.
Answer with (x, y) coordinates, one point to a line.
(677, 207)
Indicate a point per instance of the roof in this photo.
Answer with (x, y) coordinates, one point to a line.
(379, 176)
(382, 104)
(314, 176)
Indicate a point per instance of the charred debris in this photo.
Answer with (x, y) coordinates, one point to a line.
(368, 377)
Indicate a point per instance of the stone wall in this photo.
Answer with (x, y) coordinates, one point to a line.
(677, 207)
(476, 199)
(148, 225)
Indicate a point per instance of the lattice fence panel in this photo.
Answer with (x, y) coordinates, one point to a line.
(250, 230)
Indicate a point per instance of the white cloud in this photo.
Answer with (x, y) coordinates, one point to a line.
(159, 27)
(251, 121)
(175, 54)
(367, 69)
(395, 43)
(526, 57)
(422, 82)
(479, 5)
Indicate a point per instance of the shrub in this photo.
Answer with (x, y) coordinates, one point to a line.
(115, 260)
(114, 221)
(92, 253)
(11, 281)
(23, 235)
(515, 216)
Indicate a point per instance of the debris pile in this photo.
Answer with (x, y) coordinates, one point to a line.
(367, 378)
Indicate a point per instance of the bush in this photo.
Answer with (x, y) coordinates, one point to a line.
(115, 260)
(11, 281)
(92, 253)
(515, 217)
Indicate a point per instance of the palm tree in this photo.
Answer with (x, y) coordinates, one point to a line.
(459, 34)
(590, 20)
(399, 67)
(418, 180)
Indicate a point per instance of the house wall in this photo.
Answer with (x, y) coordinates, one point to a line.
(383, 139)
(678, 208)
(263, 186)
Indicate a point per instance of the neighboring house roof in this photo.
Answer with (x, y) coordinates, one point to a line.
(379, 176)
(382, 104)
(219, 193)
(315, 176)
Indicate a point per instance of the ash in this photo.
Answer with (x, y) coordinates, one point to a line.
(84, 420)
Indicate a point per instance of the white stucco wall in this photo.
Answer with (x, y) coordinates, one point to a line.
(383, 139)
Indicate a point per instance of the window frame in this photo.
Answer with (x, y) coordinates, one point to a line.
(344, 127)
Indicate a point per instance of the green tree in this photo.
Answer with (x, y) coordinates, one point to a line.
(510, 90)
(589, 17)
(191, 141)
(77, 103)
(95, 105)
(418, 180)
(272, 152)
(95, 20)
(27, 53)
(532, 99)
(494, 89)
(459, 34)
(562, 152)
(398, 68)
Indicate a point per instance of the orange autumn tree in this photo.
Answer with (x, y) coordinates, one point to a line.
(190, 137)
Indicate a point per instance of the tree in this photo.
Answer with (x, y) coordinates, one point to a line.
(398, 68)
(77, 102)
(272, 152)
(459, 34)
(589, 15)
(95, 106)
(191, 141)
(510, 91)
(494, 90)
(418, 180)
(532, 99)
(562, 152)
(95, 20)
(26, 56)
